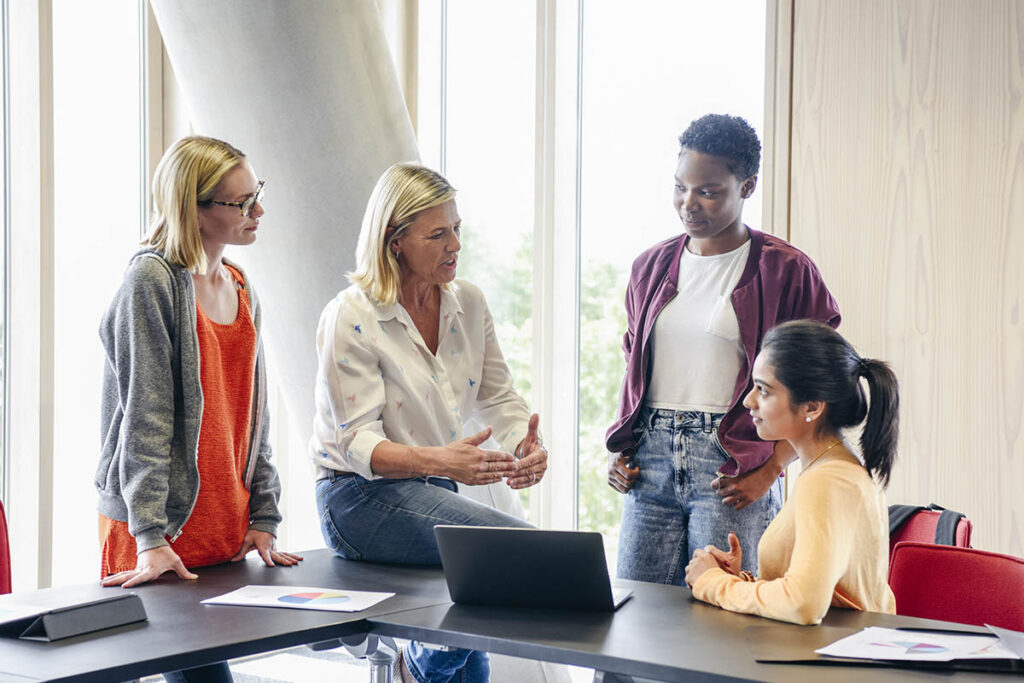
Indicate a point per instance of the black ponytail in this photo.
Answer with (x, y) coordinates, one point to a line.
(881, 430)
(815, 363)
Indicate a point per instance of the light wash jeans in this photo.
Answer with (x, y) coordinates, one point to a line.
(392, 520)
(672, 509)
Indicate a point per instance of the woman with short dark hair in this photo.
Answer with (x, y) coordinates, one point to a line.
(683, 449)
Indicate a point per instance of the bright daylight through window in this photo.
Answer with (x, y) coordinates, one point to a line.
(646, 70)
(97, 151)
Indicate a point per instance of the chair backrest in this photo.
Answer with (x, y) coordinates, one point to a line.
(5, 554)
(964, 585)
(922, 524)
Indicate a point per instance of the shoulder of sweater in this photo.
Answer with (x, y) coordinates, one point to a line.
(663, 249)
(150, 264)
(837, 478)
(149, 274)
(780, 253)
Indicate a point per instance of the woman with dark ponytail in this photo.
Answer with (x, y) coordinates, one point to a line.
(829, 543)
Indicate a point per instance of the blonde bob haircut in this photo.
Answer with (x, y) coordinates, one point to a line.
(403, 191)
(188, 174)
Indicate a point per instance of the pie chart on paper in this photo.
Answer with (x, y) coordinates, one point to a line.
(915, 648)
(315, 598)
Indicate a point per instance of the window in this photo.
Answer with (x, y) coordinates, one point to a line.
(559, 125)
(97, 127)
(483, 142)
(649, 68)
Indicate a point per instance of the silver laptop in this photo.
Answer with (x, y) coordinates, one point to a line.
(501, 567)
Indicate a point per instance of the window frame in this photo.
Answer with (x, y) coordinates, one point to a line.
(5, 222)
(559, 101)
(29, 311)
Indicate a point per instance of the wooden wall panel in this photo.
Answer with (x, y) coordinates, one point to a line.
(907, 189)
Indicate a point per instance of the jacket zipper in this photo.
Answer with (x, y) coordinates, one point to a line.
(259, 416)
(195, 456)
(259, 394)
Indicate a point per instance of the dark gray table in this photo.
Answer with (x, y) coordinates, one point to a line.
(182, 633)
(661, 633)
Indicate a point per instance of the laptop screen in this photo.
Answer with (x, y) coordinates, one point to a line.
(537, 568)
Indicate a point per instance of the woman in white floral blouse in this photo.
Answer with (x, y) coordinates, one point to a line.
(407, 356)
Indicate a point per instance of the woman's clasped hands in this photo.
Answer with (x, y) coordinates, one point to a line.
(533, 462)
(467, 463)
(710, 557)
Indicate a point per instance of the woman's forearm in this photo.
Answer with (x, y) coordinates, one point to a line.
(397, 461)
(462, 461)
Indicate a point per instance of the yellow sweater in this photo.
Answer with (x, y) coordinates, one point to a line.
(829, 545)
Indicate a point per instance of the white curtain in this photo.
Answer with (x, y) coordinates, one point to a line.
(309, 92)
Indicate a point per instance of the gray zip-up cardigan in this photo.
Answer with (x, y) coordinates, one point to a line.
(152, 408)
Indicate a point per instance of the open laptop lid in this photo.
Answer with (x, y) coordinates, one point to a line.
(502, 567)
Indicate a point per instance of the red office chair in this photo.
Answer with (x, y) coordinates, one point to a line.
(5, 554)
(932, 524)
(964, 585)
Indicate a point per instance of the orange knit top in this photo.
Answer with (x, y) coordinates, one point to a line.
(220, 518)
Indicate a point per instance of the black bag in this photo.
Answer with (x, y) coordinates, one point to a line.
(945, 528)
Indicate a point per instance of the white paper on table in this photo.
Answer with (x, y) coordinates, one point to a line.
(1011, 639)
(876, 642)
(300, 597)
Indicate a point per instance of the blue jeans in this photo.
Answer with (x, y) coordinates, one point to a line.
(447, 666)
(672, 509)
(392, 520)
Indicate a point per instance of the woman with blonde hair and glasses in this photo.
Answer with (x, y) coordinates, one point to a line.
(407, 356)
(184, 477)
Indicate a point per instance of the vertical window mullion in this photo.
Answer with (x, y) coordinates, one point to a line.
(544, 367)
(578, 258)
(143, 7)
(562, 263)
(5, 356)
(443, 133)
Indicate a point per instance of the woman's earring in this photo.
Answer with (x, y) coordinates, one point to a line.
(808, 418)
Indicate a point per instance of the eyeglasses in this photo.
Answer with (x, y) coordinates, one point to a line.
(246, 206)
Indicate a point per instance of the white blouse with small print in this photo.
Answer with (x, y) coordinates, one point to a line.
(377, 380)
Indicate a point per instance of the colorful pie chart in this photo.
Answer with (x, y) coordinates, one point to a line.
(318, 598)
(913, 647)
(923, 648)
